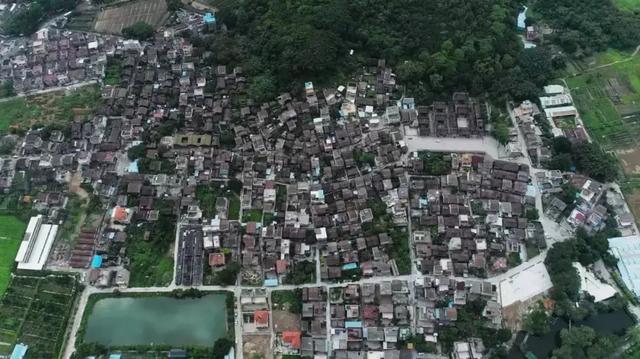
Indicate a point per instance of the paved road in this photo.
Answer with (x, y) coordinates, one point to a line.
(440, 144)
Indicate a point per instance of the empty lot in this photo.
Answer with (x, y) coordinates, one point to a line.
(114, 19)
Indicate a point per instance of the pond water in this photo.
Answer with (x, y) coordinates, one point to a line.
(614, 323)
(157, 320)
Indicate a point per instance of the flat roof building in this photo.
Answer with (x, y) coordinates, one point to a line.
(36, 244)
(525, 285)
(627, 250)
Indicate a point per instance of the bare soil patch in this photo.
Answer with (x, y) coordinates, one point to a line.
(257, 345)
(284, 321)
(113, 19)
(630, 159)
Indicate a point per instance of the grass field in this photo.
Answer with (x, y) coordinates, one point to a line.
(17, 111)
(252, 215)
(50, 108)
(627, 5)
(11, 231)
(608, 99)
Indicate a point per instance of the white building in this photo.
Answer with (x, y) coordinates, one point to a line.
(36, 244)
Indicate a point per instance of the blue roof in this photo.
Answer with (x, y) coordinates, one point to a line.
(133, 167)
(96, 262)
(353, 324)
(349, 266)
(209, 18)
(19, 351)
(627, 250)
(115, 356)
(271, 282)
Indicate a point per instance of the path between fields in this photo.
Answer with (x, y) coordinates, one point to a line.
(52, 89)
(627, 59)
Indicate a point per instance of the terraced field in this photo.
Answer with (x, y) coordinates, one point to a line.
(608, 99)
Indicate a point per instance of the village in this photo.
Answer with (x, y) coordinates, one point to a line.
(338, 232)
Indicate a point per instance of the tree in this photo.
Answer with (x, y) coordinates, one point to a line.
(536, 64)
(513, 260)
(436, 47)
(501, 132)
(532, 214)
(7, 145)
(221, 347)
(583, 342)
(565, 279)
(228, 275)
(174, 5)
(6, 89)
(568, 194)
(27, 20)
(536, 321)
(302, 272)
(594, 162)
(263, 88)
(561, 144)
(560, 161)
(235, 185)
(139, 31)
(137, 151)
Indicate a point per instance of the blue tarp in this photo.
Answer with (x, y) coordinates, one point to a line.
(352, 324)
(96, 262)
(349, 266)
(209, 18)
(115, 356)
(19, 351)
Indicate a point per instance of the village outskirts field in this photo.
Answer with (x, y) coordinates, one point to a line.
(606, 91)
(53, 108)
(11, 231)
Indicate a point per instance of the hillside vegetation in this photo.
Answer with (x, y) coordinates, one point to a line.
(437, 46)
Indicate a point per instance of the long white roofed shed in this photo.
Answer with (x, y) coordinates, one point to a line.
(36, 244)
(627, 250)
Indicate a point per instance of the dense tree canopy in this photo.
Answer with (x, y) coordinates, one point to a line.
(27, 20)
(559, 263)
(139, 31)
(536, 321)
(583, 342)
(593, 161)
(436, 46)
(583, 27)
(587, 158)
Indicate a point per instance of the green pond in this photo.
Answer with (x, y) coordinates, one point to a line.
(157, 320)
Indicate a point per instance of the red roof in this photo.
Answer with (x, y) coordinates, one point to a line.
(216, 259)
(281, 266)
(261, 317)
(370, 312)
(120, 214)
(292, 338)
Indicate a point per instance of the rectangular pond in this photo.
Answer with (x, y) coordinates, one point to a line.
(157, 320)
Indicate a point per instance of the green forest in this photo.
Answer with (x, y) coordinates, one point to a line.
(588, 26)
(436, 46)
(27, 20)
